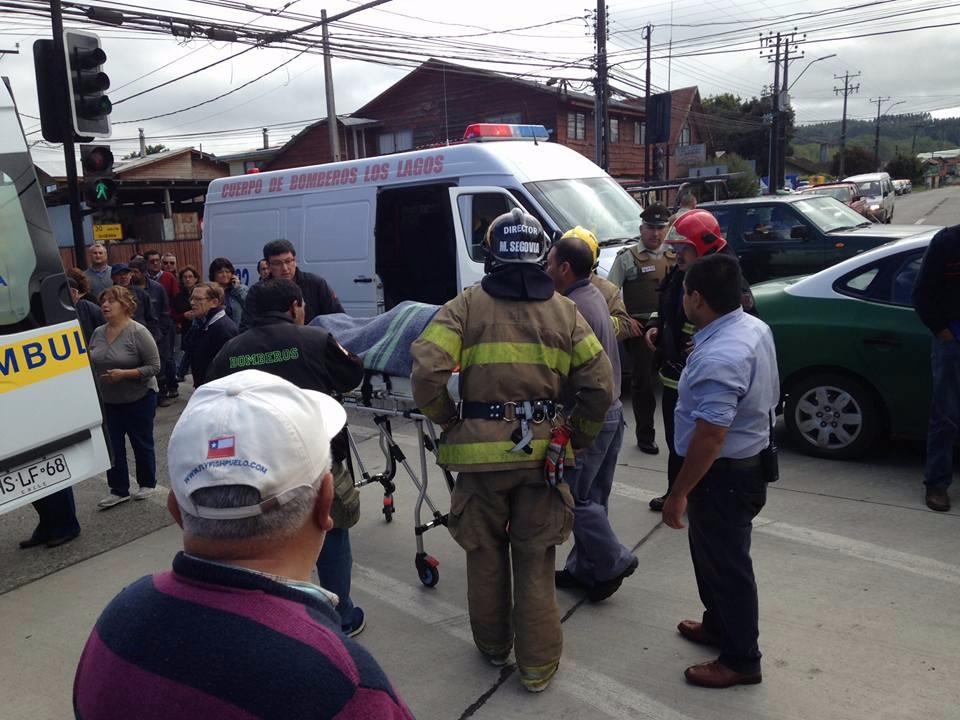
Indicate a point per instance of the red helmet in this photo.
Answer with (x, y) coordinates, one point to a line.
(700, 229)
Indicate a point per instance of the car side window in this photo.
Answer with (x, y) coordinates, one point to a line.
(904, 279)
(769, 224)
(889, 280)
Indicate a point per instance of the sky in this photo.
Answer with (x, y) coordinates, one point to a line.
(714, 44)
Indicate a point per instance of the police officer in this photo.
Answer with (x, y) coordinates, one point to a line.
(624, 326)
(696, 233)
(535, 387)
(311, 359)
(639, 269)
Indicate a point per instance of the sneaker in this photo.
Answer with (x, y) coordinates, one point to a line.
(110, 500)
(359, 623)
(937, 499)
(539, 680)
(656, 504)
(173, 394)
(145, 492)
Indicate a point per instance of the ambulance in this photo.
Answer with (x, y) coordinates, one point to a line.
(51, 428)
(409, 226)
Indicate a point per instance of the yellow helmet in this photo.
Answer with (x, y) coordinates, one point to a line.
(589, 238)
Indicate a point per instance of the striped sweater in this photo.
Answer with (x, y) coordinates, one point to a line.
(209, 641)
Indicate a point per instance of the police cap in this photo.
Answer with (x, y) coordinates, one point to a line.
(656, 215)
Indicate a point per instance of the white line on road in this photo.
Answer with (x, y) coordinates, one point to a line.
(907, 562)
(919, 222)
(600, 691)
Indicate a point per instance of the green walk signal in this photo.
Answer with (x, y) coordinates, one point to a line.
(100, 187)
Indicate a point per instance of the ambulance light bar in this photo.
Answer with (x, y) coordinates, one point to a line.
(500, 131)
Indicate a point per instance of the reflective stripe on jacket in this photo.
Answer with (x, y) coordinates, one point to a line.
(509, 351)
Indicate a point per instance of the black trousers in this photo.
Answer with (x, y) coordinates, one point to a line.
(643, 388)
(720, 510)
(668, 403)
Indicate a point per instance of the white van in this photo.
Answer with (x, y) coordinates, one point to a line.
(409, 226)
(877, 189)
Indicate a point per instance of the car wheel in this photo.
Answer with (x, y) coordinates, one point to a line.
(831, 415)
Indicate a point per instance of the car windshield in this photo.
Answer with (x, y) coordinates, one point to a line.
(870, 189)
(840, 193)
(598, 204)
(829, 215)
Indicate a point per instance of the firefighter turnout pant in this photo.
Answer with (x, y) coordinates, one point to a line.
(509, 522)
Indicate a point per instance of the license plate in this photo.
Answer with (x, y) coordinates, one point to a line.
(33, 477)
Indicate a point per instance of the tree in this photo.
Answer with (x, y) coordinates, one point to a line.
(738, 126)
(856, 161)
(746, 185)
(151, 150)
(904, 166)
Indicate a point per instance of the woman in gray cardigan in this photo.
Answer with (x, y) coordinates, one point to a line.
(126, 364)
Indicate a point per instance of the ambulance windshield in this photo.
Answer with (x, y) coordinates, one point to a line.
(598, 204)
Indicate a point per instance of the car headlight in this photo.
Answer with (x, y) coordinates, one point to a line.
(874, 207)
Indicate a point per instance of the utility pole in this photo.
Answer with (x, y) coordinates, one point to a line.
(876, 139)
(772, 172)
(647, 32)
(328, 91)
(783, 103)
(143, 143)
(846, 90)
(601, 129)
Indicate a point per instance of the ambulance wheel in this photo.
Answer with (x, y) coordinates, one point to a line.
(428, 569)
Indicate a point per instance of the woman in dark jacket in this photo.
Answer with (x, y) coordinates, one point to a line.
(234, 292)
(211, 332)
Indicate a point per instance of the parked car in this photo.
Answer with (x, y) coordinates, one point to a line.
(785, 235)
(877, 190)
(847, 193)
(853, 356)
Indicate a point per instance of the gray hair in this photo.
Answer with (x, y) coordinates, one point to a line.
(98, 245)
(279, 523)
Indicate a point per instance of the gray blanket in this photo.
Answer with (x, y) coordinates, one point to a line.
(382, 342)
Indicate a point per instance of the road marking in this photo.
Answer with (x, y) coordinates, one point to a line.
(628, 491)
(600, 691)
(907, 562)
(920, 221)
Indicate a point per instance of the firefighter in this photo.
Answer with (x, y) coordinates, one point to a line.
(535, 386)
(695, 233)
(639, 269)
(624, 326)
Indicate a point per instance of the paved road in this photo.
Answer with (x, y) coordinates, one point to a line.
(929, 207)
(858, 597)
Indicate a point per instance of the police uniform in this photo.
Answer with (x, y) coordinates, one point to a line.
(521, 348)
(639, 272)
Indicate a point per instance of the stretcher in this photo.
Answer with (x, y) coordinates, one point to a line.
(384, 398)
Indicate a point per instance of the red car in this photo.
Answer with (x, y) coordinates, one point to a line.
(847, 193)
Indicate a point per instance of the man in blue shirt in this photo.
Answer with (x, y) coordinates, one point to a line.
(725, 409)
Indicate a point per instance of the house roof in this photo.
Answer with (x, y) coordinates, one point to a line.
(807, 166)
(350, 121)
(258, 154)
(123, 166)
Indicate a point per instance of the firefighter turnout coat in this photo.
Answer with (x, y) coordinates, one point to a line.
(509, 351)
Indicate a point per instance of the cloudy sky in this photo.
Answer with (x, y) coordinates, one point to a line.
(901, 49)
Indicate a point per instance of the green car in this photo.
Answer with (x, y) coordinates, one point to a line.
(854, 357)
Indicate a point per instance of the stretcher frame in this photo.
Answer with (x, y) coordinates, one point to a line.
(383, 402)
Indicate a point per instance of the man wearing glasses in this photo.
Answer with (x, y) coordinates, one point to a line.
(319, 297)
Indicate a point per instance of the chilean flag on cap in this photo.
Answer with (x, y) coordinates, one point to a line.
(221, 447)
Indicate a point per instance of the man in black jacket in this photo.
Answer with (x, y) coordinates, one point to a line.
(936, 297)
(310, 358)
(318, 296)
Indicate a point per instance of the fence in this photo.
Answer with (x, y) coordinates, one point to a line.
(188, 252)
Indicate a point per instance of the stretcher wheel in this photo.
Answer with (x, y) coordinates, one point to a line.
(428, 569)
(388, 508)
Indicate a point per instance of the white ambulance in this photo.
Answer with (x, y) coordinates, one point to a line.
(51, 431)
(409, 226)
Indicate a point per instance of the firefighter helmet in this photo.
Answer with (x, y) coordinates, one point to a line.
(589, 238)
(700, 229)
(516, 238)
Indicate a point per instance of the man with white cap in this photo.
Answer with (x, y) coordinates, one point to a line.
(236, 628)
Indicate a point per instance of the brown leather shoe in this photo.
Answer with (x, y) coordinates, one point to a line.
(715, 675)
(937, 499)
(695, 632)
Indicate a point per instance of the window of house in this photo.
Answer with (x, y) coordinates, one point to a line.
(576, 126)
(513, 118)
(395, 142)
(685, 134)
(640, 133)
(614, 130)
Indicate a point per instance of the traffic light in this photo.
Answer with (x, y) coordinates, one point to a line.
(89, 105)
(100, 187)
(52, 93)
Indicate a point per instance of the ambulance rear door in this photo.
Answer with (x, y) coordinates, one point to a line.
(474, 208)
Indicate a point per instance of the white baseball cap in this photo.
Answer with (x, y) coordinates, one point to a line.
(255, 429)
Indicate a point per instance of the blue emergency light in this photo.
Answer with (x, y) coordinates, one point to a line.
(502, 131)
